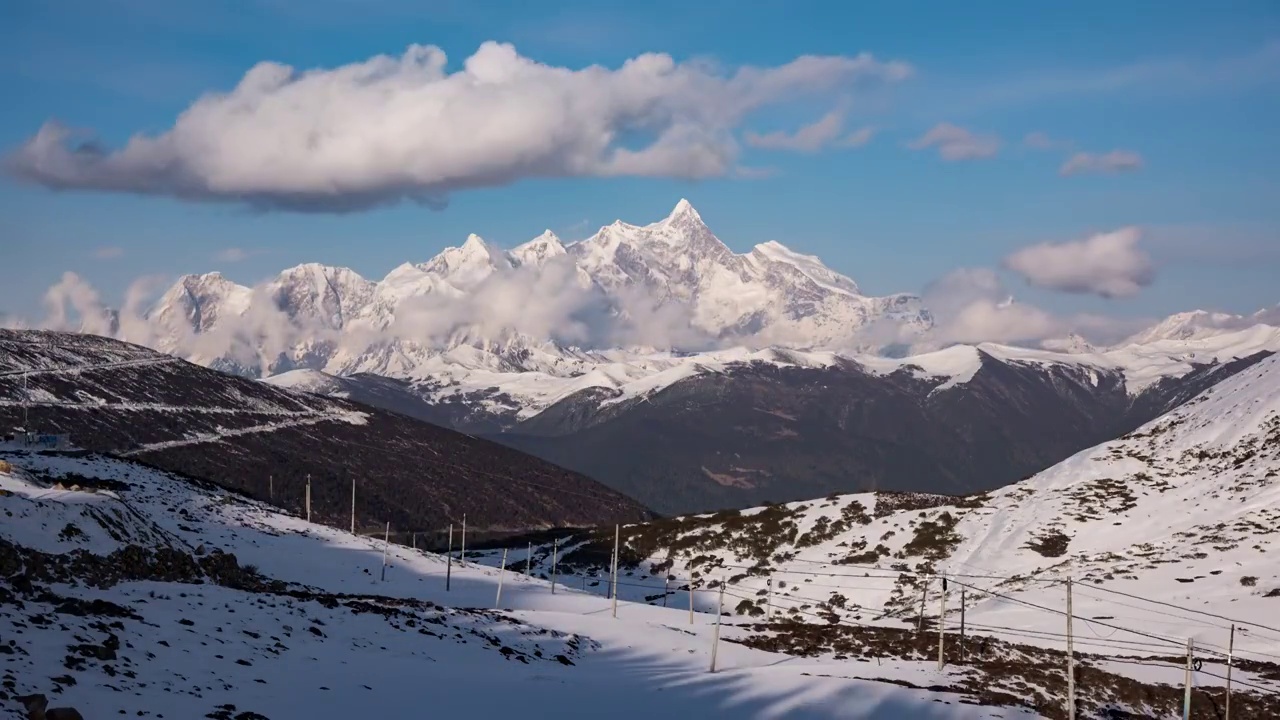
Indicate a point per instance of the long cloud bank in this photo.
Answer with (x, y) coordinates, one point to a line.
(393, 129)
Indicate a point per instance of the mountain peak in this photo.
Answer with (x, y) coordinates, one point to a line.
(684, 211)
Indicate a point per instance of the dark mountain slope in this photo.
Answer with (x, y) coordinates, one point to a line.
(762, 433)
(114, 397)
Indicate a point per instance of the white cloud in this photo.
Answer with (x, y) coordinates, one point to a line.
(827, 131)
(1108, 264)
(1116, 161)
(390, 129)
(236, 254)
(108, 252)
(956, 143)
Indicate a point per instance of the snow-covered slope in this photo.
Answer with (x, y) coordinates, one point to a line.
(229, 609)
(1170, 532)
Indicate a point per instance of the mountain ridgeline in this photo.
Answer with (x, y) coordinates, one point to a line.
(267, 442)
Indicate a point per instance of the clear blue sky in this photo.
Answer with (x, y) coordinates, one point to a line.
(1193, 88)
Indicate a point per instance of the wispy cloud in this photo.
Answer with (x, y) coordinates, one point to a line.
(827, 131)
(1038, 140)
(1116, 161)
(108, 252)
(956, 143)
(235, 254)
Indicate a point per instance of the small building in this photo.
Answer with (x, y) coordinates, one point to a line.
(19, 439)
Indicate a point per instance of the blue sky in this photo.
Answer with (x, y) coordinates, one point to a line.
(1189, 87)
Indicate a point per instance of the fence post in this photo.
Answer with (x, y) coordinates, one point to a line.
(1231, 649)
(1071, 659)
(386, 542)
(502, 570)
(448, 567)
(715, 636)
(1186, 700)
(942, 624)
(617, 535)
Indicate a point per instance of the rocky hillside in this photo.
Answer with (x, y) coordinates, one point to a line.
(245, 435)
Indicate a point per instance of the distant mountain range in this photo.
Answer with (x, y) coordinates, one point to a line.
(783, 386)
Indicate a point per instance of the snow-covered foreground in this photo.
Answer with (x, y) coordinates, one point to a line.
(344, 643)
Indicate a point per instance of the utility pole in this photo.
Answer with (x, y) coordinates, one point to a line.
(617, 536)
(462, 556)
(962, 604)
(768, 600)
(448, 567)
(1186, 700)
(386, 542)
(690, 600)
(271, 488)
(555, 548)
(1231, 649)
(666, 588)
(942, 624)
(715, 637)
(497, 604)
(924, 594)
(528, 560)
(1071, 660)
(353, 506)
(308, 497)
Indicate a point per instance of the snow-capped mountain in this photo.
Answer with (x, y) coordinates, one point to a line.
(613, 289)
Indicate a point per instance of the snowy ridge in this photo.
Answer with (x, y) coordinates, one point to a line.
(629, 375)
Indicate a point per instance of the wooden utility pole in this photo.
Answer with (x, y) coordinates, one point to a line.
(1186, 699)
(768, 600)
(1231, 649)
(555, 548)
(962, 604)
(497, 604)
(353, 506)
(528, 560)
(691, 601)
(715, 636)
(308, 497)
(386, 543)
(942, 624)
(924, 595)
(666, 588)
(462, 556)
(271, 488)
(617, 535)
(448, 567)
(1071, 659)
